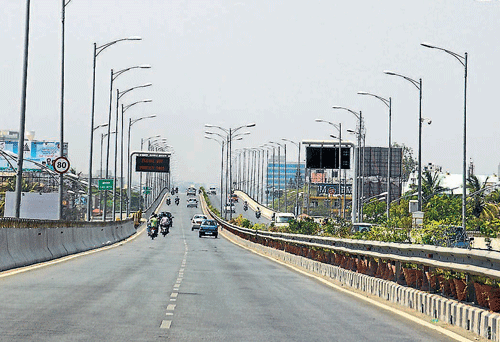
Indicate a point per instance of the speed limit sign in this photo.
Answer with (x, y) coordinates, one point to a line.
(61, 165)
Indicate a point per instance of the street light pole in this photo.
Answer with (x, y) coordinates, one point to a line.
(22, 120)
(388, 103)
(130, 123)
(418, 85)
(357, 191)
(97, 51)
(297, 176)
(463, 61)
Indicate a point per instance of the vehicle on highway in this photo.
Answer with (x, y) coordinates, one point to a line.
(197, 220)
(233, 198)
(168, 215)
(283, 219)
(361, 227)
(258, 213)
(212, 191)
(177, 200)
(192, 203)
(245, 206)
(209, 227)
(229, 208)
(191, 191)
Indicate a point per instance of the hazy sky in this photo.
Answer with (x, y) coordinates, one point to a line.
(280, 64)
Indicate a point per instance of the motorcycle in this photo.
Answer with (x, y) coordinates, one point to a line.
(164, 226)
(168, 201)
(153, 232)
(177, 200)
(245, 207)
(257, 214)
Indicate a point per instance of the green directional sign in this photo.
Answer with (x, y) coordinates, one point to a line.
(105, 184)
(147, 192)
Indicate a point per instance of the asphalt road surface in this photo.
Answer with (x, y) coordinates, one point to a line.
(186, 288)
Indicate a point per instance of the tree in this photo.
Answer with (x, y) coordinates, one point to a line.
(409, 163)
(477, 197)
(374, 211)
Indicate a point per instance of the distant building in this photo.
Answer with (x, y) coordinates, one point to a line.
(276, 172)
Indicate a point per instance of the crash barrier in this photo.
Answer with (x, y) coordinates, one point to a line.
(25, 242)
(152, 207)
(265, 211)
(376, 268)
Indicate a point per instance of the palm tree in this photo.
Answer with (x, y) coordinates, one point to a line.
(431, 185)
(477, 195)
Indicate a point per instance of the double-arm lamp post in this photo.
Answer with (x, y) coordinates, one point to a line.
(388, 103)
(97, 51)
(463, 61)
(230, 135)
(221, 143)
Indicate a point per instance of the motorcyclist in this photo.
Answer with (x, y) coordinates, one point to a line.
(165, 222)
(258, 213)
(168, 201)
(153, 222)
(245, 205)
(177, 200)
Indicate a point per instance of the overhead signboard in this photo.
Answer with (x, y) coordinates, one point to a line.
(152, 164)
(328, 158)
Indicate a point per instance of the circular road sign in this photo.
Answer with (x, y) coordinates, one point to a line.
(331, 191)
(61, 165)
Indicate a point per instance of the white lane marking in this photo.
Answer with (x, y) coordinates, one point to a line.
(165, 324)
(174, 294)
(173, 299)
(181, 270)
(169, 314)
(170, 307)
(360, 296)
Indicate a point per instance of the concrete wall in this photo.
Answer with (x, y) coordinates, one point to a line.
(25, 246)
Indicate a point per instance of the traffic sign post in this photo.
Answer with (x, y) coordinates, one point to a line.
(105, 184)
(61, 165)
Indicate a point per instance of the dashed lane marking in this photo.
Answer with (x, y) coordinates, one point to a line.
(170, 307)
(165, 324)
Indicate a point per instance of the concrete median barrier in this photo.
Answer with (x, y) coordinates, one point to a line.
(55, 242)
(38, 250)
(6, 260)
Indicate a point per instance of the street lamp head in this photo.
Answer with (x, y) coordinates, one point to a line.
(209, 125)
(333, 136)
(427, 45)
(207, 132)
(148, 100)
(250, 125)
(389, 72)
(319, 120)
(363, 93)
(145, 66)
(134, 38)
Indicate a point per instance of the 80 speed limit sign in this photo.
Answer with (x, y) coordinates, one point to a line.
(61, 165)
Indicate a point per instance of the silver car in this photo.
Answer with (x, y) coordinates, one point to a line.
(197, 220)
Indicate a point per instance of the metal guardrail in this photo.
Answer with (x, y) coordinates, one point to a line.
(477, 262)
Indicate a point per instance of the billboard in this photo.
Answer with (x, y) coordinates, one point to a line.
(375, 161)
(42, 152)
(327, 158)
(152, 164)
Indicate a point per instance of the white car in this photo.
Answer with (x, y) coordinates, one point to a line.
(212, 191)
(192, 203)
(197, 220)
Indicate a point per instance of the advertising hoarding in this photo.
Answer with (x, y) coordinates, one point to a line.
(42, 152)
(327, 158)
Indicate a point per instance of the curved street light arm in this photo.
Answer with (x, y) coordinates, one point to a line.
(290, 141)
(132, 104)
(220, 135)
(121, 93)
(101, 48)
(139, 119)
(460, 58)
(411, 80)
(118, 73)
(385, 101)
(357, 115)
